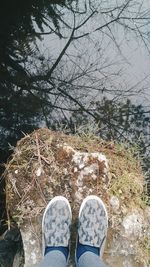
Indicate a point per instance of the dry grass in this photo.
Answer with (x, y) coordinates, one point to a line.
(36, 170)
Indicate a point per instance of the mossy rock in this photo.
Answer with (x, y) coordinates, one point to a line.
(46, 163)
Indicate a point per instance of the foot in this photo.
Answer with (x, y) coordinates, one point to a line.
(92, 228)
(56, 225)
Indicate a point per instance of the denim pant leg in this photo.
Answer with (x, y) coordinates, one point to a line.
(53, 259)
(89, 259)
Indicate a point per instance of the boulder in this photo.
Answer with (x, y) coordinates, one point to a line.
(46, 164)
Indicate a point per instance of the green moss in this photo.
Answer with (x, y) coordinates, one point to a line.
(127, 187)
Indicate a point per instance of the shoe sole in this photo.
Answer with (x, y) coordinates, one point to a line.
(55, 199)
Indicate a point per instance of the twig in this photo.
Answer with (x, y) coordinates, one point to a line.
(13, 182)
(38, 149)
(40, 189)
(43, 158)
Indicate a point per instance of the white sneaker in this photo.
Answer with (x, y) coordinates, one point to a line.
(93, 223)
(56, 223)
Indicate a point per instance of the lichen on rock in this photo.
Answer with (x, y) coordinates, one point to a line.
(46, 163)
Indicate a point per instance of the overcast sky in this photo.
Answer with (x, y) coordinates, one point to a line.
(134, 60)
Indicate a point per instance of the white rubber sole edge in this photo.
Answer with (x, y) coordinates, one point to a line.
(93, 197)
(47, 207)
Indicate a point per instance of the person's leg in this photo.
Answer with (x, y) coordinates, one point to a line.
(90, 259)
(54, 259)
(92, 231)
(56, 233)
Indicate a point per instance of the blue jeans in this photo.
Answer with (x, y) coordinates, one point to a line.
(57, 259)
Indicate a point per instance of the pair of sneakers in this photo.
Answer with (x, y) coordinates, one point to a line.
(92, 226)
